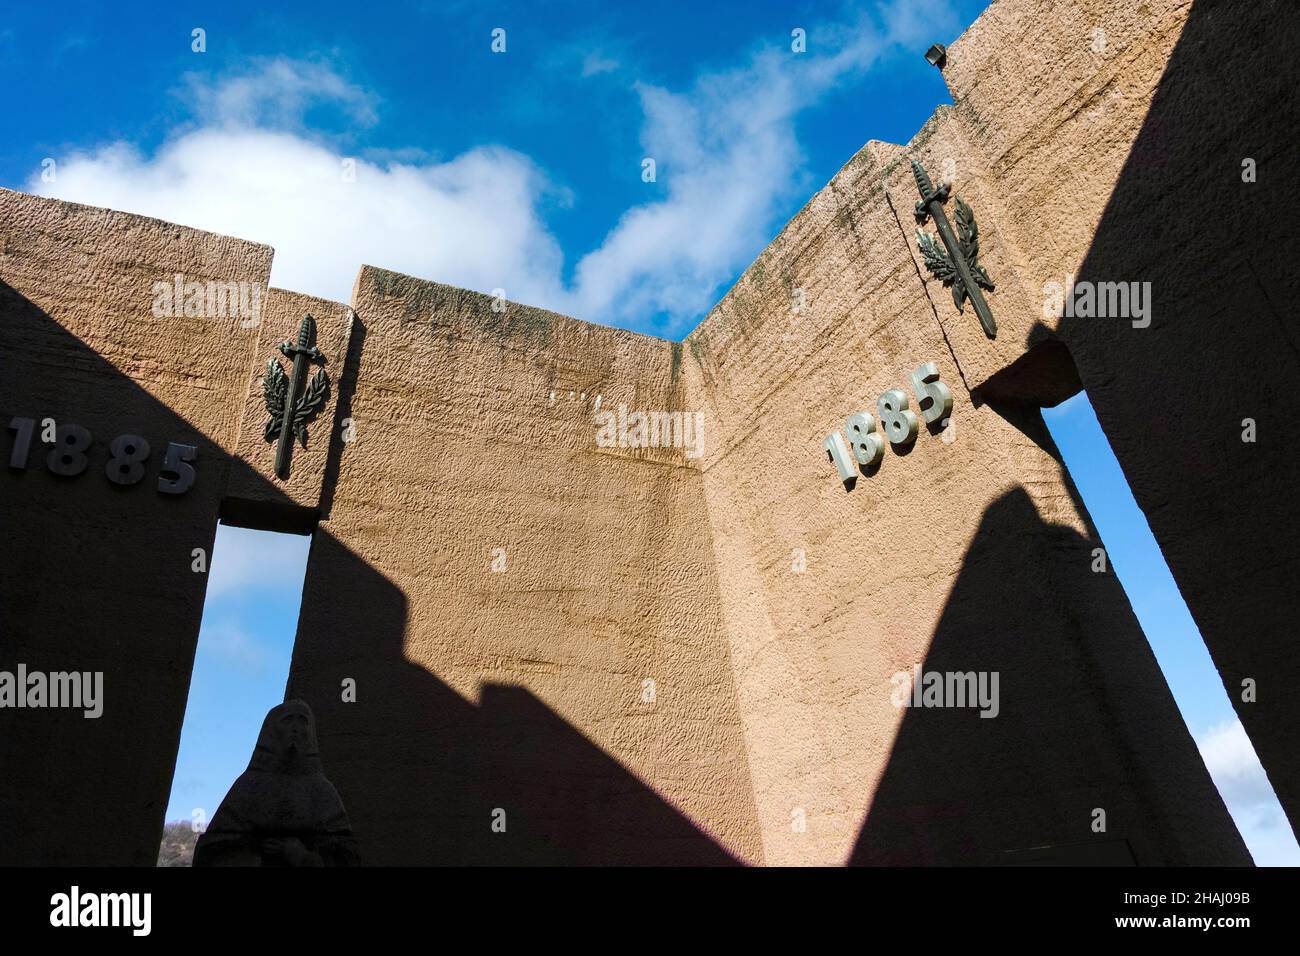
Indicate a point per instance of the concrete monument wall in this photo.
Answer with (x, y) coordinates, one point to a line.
(528, 639)
(501, 589)
(970, 552)
(98, 577)
(1160, 152)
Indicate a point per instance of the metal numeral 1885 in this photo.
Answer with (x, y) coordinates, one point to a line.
(899, 423)
(69, 456)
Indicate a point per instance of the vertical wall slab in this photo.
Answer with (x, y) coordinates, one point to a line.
(257, 496)
(1147, 144)
(967, 553)
(529, 618)
(97, 576)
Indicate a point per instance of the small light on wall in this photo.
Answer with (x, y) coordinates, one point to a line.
(937, 55)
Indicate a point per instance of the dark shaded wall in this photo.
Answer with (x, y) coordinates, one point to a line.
(1220, 255)
(426, 773)
(1085, 724)
(95, 576)
(1145, 184)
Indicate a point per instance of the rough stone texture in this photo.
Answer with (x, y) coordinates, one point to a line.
(97, 577)
(475, 432)
(256, 495)
(1039, 161)
(520, 696)
(1126, 165)
(971, 554)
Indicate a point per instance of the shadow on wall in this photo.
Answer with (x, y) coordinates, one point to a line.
(1198, 213)
(98, 578)
(450, 765)
(1084, 719)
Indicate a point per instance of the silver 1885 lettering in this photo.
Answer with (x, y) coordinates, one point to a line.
(866, 446)
(68, 457)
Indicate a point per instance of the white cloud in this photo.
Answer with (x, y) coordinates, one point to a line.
(1236, 771)
(726, 152)
(593, 64)
(471, 222)
(727, 155)
(278, 92)
(1231, 760)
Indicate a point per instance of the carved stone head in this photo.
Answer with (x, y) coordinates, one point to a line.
(287, 742)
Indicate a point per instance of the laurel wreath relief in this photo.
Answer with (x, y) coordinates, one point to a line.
(275, 389)
(942, 267)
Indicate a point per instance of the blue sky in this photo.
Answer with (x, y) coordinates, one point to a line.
(250, 617)
(520, 171)
(1174, 638)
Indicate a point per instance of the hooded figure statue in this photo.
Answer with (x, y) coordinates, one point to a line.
(281, 811)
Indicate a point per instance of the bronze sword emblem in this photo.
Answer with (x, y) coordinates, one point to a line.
(959, 268)
(289, 412)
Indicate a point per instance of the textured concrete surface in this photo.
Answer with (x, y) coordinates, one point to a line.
(564, 652)
(970, 552)
(97, 577)
(1126, 164)
(256, 496)
(475, 433)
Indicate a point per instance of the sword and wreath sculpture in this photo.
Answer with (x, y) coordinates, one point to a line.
(956, 265)
(290, 411)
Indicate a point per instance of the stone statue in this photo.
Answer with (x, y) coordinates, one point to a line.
(281, 811)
